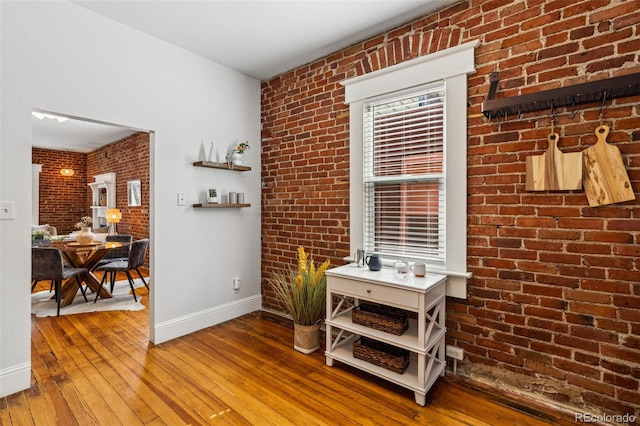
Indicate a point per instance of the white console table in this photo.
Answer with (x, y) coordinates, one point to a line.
(348, 285)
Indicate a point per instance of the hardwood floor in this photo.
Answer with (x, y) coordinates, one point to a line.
(99, 368)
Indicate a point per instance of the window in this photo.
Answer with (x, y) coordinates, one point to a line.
(403, 175)
(408, 162)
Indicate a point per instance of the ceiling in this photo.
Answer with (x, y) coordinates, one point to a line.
(263, 38)
(75, 135)
(259, 38)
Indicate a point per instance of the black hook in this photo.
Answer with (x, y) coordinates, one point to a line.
(553, 117)
(604, 98)
(572, 114)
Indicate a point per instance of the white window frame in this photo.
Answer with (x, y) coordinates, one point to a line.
(433, 95)
(452, 66)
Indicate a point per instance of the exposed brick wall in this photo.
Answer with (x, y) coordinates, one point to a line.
(60, 202)
(60, 205)
(129, 160)
(554, 304)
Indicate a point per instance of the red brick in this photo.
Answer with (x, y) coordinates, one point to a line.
(541, 261)
(581, 369)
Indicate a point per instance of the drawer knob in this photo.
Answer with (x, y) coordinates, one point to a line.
(368, 291)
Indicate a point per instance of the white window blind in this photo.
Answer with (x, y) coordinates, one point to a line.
(404, 177)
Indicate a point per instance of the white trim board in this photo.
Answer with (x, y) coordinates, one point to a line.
(451, 66)
(209, 317)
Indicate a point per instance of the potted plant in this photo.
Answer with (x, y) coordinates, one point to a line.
(303, 293)
(236, 155)
(40, 237)
(85, 236)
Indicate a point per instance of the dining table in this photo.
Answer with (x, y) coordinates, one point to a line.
(85, 256)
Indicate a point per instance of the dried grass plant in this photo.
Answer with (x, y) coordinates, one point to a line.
(303, 290)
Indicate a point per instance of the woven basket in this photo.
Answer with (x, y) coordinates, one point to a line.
(306, 338)
(383, 318)
(381, 354)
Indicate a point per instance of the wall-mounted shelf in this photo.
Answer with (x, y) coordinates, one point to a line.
(222, 166)
(105, 184)
(219, 206)
(591, 92)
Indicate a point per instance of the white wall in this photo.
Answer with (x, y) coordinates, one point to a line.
(59, 57)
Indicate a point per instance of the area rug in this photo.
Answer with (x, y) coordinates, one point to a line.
(42, 305)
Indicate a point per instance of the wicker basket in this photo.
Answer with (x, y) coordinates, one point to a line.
(383, 318)
(381, 354)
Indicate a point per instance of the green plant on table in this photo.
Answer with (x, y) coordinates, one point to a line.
(39, 234)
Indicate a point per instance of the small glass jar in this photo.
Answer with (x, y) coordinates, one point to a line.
(401, 269)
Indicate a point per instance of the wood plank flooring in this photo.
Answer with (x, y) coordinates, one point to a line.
(99, 369)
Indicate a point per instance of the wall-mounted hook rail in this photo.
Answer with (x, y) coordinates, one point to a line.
(593, 91)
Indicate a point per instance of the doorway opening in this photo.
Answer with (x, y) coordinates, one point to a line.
(70, 156)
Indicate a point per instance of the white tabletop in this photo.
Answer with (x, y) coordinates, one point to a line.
(386, 277)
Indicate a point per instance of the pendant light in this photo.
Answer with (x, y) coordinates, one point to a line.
(66, 171)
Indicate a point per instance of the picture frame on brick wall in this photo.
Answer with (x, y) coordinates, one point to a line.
(134, 193)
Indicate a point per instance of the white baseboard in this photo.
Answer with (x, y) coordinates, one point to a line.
(197, 321)
(15, 379)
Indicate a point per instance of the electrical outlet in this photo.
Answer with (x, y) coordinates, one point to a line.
(455, 352)
(236, 285)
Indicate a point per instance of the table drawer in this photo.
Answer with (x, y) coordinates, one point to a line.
(394, 296)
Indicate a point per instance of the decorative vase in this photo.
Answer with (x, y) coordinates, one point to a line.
(85, 236)
(306, 338)
(213, 156)
(236, 157)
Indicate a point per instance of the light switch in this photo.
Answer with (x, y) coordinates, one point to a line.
(7, 210)
(181, 200)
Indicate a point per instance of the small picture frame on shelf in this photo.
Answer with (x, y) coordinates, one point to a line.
(212, 196)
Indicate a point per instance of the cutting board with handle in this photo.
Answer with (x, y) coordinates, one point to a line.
(554, 170)
(605, 176)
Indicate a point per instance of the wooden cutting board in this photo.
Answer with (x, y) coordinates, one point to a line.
(554, 170)
(605, 176)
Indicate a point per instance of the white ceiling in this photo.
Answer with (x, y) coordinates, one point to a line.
(263, 38)
(75, 135)
(260, 38)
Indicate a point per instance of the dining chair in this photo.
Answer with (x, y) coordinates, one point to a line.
(47, 264)
(134, 261)
(120, 253)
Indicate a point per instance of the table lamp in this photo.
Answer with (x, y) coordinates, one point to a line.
(113, 217)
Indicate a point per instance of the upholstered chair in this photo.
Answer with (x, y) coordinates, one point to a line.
(135, 259)
(47, 264)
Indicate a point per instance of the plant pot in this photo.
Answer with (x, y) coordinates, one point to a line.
(85, 236)
(306, 338)
(236, 158)
(40, 243)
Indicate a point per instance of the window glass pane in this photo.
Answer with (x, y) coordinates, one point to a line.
(404, 175)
